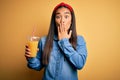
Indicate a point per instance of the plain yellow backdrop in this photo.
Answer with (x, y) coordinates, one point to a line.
(97, 20)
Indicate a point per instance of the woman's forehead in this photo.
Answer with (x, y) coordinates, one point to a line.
(63, 10)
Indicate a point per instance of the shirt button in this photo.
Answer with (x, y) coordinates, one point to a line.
(56, 72)
(58, 61)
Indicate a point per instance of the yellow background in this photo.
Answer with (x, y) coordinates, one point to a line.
(97, 20)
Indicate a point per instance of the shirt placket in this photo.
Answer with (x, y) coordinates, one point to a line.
(57, 65)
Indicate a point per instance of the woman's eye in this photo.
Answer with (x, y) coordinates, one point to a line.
(66, 16)
(57, 17)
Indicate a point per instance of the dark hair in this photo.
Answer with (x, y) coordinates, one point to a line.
(53, 31)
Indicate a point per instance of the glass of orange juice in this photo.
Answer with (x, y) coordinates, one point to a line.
(33, 45)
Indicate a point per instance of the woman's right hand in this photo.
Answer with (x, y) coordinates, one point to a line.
(27, 52)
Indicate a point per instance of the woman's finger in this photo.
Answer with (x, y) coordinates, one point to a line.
(61, 27)
(38, 49)
(27, 49)
(70, 33)
(64, 29)
(27, 56)
(26, 52)
(26, 46)
(58, 29)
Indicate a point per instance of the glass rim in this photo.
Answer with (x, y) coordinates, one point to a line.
(33, 38)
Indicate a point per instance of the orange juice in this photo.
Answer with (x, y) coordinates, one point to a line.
(33, 45)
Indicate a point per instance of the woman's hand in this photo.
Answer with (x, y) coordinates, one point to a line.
(63, 33)
(27, 52)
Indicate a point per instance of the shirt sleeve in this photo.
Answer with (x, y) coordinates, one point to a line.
(76, 57)
(35, 63)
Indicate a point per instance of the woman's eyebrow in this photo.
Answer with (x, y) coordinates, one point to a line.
(57, 13)
(66, 12)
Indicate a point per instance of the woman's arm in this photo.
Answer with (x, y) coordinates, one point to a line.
(35, 63)
(76, 57)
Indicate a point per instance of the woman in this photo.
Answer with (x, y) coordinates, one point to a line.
(61, 53)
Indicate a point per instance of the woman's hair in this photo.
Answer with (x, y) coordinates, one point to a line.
(53, 31)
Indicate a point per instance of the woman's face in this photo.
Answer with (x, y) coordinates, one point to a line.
(63, 18)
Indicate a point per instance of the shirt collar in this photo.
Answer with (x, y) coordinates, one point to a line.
(55, 37)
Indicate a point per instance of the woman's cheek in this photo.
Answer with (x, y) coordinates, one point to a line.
(68, 25)
(57, 24)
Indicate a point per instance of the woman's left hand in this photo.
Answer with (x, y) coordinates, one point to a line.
(63, 33)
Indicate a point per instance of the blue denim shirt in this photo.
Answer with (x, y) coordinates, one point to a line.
(64, 59)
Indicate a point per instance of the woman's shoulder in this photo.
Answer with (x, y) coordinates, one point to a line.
(43, 37)
(80, 39)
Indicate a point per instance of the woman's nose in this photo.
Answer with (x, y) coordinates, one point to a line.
(62, 20)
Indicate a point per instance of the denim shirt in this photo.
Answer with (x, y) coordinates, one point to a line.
(64, 59)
